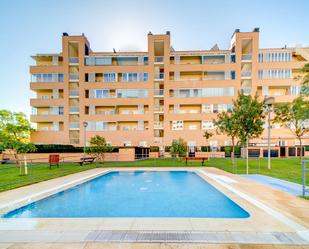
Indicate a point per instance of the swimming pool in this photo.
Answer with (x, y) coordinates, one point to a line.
(136, 194)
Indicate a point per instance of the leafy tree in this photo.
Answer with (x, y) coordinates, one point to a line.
(178, 147)
(98, 147)
(249, 115)
(15, 131)
(207, 135)
(227, 124)
(304, 79)
(294, 116)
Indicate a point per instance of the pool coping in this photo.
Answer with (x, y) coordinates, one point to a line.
(76, 228)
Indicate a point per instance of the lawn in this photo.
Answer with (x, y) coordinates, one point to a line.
(286, 169)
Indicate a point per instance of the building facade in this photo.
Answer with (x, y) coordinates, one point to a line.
(150, 98)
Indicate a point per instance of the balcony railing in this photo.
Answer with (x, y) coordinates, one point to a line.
(246, 57)
(159, 76)
(73, 60)
(246, 90)
(159, 92)
(74, 93)
(246, 74)
(106, 112)
(158, 108)
(74, 125)
(159, 59)
(158, 125)
(74, 76)
(74, 109)
(74, 140)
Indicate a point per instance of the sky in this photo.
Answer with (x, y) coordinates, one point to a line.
(36, 26)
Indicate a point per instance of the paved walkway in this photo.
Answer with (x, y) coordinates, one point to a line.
(288, 187)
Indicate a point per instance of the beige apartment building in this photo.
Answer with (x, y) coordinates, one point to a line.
(150, 98)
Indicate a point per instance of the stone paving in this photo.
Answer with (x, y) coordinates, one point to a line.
(276, 218)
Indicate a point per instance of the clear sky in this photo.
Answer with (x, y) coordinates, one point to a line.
(35, 26)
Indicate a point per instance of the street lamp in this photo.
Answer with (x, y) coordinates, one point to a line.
(85, 124)
(269, 102)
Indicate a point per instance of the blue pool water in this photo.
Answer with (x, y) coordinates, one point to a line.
(137, 194)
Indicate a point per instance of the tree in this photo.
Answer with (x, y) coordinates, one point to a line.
(15, 131)
(178, 147)
(227, 124)
(249, 117)
(98, 147)
(295, 117)
(304, 79)
(207, 135)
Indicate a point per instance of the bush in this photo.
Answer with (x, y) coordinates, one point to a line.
(154, 149)
(167, 148)
(306, 147)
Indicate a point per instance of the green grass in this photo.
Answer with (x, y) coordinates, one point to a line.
(286, 169)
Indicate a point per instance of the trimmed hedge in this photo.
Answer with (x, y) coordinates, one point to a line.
(62, 148)
(154, 149)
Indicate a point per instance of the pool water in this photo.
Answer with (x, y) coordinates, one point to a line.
(137, 194)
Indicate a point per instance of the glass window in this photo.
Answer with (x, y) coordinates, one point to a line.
(101, 61)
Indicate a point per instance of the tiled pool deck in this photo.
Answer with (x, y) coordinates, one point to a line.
(277, 218)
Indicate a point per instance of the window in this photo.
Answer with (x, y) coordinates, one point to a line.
(132, 93)
(275, 74)
(233, 75)
(134, 77)
(109, 77)
(102, 93)
(102, 61)
(274, 57)
(203, 92)
(177, 125)
(207, 125)
(47, 77)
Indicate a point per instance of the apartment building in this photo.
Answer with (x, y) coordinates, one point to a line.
(150, 98)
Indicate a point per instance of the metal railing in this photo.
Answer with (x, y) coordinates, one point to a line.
(74, 93)
(159, 76)
(74, 125)
(245, 73)
(73, 76)
(159, 92)
(158, 108)
(246, 57)
(73, 60)
(74, 109)
(159, 59)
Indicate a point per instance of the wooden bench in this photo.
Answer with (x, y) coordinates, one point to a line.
(203, 159)
(85, 160)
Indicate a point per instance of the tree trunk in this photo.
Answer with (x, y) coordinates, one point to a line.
(301, 149)
(232, 152)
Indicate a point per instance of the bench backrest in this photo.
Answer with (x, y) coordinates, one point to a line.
(54, 159)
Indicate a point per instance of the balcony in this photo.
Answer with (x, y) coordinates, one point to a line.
(159, 59)
(74, 77)
(73, 60)
(159, 76)
(158, 140)
(159, 93)
(74, 140)
(246, 74)
(74, 125)
(246, 90)
(158, 125)
(74, 110)
(246, 57)
(74, 93)
(158, 108)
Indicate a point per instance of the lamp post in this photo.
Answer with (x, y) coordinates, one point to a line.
(85, 124)
(269, 102)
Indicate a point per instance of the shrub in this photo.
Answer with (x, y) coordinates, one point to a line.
(205, 148)
(154, 149)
